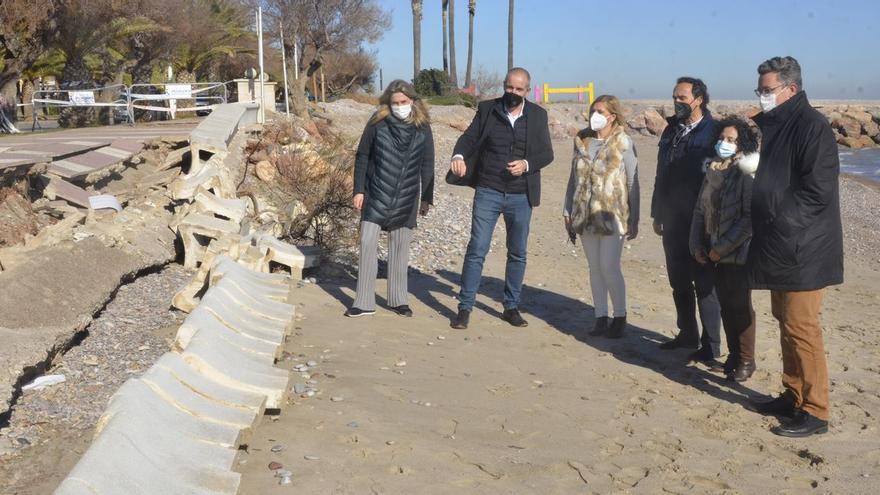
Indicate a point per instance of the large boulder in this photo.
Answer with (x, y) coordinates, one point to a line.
(851, 142)
(655, 122)
(848, 126)
(860, 116)
(871, 128)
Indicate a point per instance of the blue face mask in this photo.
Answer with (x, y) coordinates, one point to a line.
(724, 149)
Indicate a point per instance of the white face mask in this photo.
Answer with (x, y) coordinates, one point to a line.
(598, 121)
(768, 102)
(725, 149)
(401, 111)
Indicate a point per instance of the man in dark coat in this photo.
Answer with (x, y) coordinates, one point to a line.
(797, 248)
(685, 145)
(501, 155)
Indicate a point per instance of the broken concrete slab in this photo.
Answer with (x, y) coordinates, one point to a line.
(210, 389)
(225, 299)
(203, 322)
(231, 209)
(60, 188)
(75, 280)
(173, 390)
(139, 404)
(116, 463)
(197, 225)
(174, 158)
(269, 308)
(224, 265)
(232, 367)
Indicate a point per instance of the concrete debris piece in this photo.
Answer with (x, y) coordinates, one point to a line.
(138, 402)
(60, 188)
(116, 463)
(197, 225)
(174, 159)
(164, 383)
(206, 324)
(231, 209)
(234, 368)
(210, 389)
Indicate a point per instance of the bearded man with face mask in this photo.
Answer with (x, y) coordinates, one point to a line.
(685, 146)
(501, 155)
(797, 247)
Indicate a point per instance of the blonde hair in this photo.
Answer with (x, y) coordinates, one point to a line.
(419, 116)
(614, 108)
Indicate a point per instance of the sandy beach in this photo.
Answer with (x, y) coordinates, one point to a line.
(412, 406)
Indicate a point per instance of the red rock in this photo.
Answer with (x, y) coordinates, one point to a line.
(275, 466)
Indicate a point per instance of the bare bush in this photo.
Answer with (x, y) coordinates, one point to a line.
(313, 189)
(487, 84)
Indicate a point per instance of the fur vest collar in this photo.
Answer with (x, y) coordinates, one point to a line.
(600, 201)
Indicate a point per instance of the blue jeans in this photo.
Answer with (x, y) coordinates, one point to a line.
(488, 205)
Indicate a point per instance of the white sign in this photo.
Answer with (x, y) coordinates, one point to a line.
(82, 97)
(178, 90)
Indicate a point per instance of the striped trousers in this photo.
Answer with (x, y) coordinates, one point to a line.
(368, 266)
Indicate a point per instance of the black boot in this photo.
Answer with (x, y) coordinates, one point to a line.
(600, 326)
(743, 372)
(615, 330)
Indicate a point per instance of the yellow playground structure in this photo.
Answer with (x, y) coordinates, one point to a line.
(588, 90)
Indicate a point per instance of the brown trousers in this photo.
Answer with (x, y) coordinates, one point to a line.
(804, 368)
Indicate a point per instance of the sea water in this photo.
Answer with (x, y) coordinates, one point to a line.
(863, 163)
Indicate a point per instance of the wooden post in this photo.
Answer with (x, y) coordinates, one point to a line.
(315, 87)
(323, 88)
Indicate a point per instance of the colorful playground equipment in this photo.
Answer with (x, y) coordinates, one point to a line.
(581, 91)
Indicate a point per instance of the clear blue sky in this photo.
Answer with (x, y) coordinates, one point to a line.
(636, 49)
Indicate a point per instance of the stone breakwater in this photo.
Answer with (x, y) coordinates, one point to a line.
(855, 125)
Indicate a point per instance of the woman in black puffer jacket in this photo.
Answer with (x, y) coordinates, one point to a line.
(720, 233)
(393, 183)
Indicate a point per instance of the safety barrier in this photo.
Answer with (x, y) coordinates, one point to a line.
(133, 97)
(172, 92)
(75, 98)
(581, 91)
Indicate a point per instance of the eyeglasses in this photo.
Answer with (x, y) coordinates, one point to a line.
(766, 92)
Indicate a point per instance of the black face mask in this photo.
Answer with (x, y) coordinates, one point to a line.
(682, 110)
(511, 100)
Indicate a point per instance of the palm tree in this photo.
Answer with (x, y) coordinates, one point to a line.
(472, 10)
(453, 75)
(417, 36)
(444, 6)
(510, 35)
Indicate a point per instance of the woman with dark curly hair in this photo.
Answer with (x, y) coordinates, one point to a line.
(720, 234)
(393, 183)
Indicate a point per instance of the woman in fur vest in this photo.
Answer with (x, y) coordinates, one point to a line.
(602, 207)
(393, 183)
(720, 234)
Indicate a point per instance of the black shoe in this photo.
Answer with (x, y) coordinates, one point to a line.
(803, 424)
(355, 312)
(615, 330)
(780, 406)
(460, 322)
(730, 366)
(600, 326)
(402, 310)
(677, 343)
(743, 372)
(705, 356)
(513, 317)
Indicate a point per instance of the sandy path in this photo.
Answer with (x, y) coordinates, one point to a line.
(538, 410)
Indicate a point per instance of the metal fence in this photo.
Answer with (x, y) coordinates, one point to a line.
(163, 98)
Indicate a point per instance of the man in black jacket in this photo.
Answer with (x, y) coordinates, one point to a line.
(501, 154)
(685, 144)
(797, 248)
